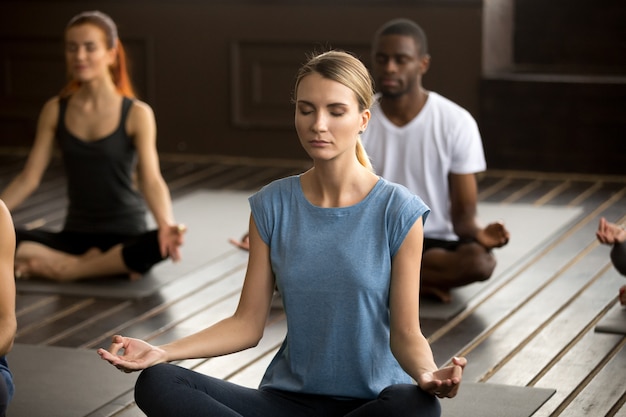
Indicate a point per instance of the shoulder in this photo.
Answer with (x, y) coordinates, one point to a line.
(447, 105)
(4, 212)
(393, 188)
(283, 185)
(50, 111)
(140, 109)
(140, 119)
(272, 199)
(400, 196)
(455, 119)
(6, 223)
(51, 106)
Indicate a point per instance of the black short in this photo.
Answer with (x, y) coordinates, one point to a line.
(450, 245)
(140, 252)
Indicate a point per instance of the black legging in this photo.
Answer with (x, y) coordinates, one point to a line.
(167, 390)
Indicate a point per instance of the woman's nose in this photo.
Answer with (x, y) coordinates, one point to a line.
(80, 52)
(320, 124)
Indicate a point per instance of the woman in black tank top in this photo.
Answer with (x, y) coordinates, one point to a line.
(105, 136)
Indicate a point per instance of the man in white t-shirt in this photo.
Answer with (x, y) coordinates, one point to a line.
(432, 146)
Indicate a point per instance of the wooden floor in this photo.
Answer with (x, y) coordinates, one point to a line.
(534, 328)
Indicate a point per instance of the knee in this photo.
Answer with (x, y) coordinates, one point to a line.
(411, 397)
(478, 264)
(142, 253)
(149, 382)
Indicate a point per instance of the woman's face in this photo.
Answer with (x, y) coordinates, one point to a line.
(86, 53)
(328, 119)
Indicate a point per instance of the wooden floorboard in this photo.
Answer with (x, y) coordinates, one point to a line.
(533, 326)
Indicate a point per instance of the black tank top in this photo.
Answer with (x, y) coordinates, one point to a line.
(102, 196)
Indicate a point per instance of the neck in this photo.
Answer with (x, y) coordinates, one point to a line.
(401, 110)
(329, 185)
(97, 89)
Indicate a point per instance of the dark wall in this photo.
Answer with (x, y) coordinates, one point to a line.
(219, 74)
(562, 105)
(571, 36)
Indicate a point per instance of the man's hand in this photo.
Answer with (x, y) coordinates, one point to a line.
(495, 235)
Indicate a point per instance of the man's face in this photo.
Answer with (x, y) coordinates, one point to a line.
(397, 65)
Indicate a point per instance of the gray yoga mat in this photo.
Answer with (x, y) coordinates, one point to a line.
(614, 321)
(531, 227)
(495, 400)
(63, 382)
(212, 217)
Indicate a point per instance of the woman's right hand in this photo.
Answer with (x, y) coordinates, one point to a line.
(137, 354)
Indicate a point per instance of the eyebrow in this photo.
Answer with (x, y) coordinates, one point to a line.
(393, 55)
(328, 105)
(87, 42)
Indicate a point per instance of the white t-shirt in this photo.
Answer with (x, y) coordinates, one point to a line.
(443, 138)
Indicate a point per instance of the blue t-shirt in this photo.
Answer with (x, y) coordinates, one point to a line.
(333, 270)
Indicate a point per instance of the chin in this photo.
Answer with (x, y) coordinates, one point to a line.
(391, 94)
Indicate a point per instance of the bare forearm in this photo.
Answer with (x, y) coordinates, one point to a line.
(159, 202)
(467, 228)
(227, 336)
(17, 191)
(413, 353)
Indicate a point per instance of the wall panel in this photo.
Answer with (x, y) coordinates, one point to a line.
(219, 74)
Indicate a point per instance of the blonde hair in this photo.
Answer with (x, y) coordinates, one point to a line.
(348, 70)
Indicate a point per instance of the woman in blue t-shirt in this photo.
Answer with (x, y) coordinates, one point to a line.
(343, 246)
(8, 323)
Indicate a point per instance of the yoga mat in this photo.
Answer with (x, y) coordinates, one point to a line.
(531, 227)
(212, 217)
(63, 382)
(494, 400)
(614, 321)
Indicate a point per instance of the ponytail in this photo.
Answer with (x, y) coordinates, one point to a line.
(120, 75)
(361, 155)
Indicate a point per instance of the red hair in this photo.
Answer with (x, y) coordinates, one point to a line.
(119, 69)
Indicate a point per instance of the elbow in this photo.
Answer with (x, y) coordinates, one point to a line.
(9, 348)
(252, 332)
(253, 343)
(255, 338)
(28, 183)
(9, 336)
(400, 339)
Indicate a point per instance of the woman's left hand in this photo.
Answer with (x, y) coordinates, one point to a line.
(170, 240)
(444, 382)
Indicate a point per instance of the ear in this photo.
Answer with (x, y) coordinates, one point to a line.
(424, 64)
(365, 119)
(112, 56)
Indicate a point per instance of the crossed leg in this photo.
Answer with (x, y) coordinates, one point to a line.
(36, 260)
(444, 269)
